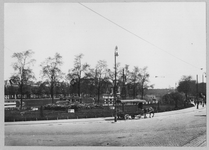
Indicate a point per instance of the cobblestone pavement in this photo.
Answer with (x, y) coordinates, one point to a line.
(182, 128)
(197, 142)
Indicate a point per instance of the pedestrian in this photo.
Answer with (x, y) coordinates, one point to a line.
(197, 104)
(145, 112)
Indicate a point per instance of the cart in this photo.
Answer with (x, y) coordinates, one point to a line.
(135, 109)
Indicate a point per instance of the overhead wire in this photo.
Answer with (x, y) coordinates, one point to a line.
(8, 49)
(138, 36)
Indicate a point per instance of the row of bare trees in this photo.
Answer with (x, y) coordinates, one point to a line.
(81, 79)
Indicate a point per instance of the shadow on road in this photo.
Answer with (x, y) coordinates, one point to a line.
(112, 119)
(200, 115)
(109, 119)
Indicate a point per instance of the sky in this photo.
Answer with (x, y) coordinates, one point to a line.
(167, 37)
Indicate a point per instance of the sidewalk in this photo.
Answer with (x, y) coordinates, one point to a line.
(57, 121)
(200, 141)
(186, 110)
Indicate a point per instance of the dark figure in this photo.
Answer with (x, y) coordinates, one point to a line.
(197, 104)
(140, 105)
(144, 112)
(151, 111)
(41, 111)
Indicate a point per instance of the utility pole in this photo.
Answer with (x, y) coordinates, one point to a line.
(197, 93)
(115, 95)
(123, 91)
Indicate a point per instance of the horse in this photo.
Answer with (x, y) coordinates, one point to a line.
(149, 111)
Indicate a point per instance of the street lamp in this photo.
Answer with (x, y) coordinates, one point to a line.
(115, 55)
(197, 92)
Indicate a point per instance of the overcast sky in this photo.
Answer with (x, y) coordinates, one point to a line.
(169, 38)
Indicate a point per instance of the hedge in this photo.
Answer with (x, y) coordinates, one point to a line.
(29, 115)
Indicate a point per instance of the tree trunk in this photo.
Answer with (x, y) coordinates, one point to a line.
(134, 92)
(142, 92)
(21, 94)
(98, 93)
(79, 84)
(52, 92)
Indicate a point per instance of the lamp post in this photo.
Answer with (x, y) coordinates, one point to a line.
(197, 92)
(202, 75)
(115, 55)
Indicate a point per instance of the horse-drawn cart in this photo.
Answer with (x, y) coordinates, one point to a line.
(135, 109)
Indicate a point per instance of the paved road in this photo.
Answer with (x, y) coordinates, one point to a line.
(176, 128)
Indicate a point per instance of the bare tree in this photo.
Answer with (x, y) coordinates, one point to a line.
(75, 74)
(125, 78)
(111, 76)
(100, 75)
(144, 80)
(52, 72)
(24, 72)
(135, 80)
